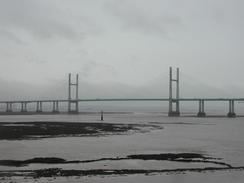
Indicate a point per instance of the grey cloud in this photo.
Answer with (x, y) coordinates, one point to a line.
(122, 43)
(148, 21)
(7, 36)
(34, 17)
(90, 66)
(35, 60)
(87, 68)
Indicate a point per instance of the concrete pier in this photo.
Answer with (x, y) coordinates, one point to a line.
(23, 107)
(9, 107)
(55, 107)
(74, 108)
(39, 107)
(201, 112)
(231, 113)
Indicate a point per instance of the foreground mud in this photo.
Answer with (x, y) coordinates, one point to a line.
(57, 172)
(192, 152)
(180, 157)
(37, 130)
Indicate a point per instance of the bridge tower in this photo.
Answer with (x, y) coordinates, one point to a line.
(174, 100)
(231, 113)
(73, 101)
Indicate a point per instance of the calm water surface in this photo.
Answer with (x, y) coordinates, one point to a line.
(216, 137)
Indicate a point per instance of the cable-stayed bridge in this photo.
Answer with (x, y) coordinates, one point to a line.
(72, 102)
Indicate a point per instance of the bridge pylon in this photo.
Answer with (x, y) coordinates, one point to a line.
(201, 112)
(73, 101)
(231, 113)
(174, 100)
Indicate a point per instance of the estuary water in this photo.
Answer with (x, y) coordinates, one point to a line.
(217, 137)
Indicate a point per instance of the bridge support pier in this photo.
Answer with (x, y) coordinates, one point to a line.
(23, 107)
(173, 113)
(231, 113)
(201, 112)
(39, 107)
(9, 107)
(176, 112)
(76, 107)
(55, 107)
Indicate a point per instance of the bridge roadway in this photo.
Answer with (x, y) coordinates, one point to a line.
(73, 104)
(75, 109)
(121, 99)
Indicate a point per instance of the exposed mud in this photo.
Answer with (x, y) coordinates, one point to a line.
(36, 130)
(184, 157)
(54, 172)
(18, 163)
(57, 172)
(181, 123)
(180, 157)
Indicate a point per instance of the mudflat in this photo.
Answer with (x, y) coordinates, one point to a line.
(35, 130)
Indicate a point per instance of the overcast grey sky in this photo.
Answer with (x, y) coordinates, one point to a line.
(128, 42)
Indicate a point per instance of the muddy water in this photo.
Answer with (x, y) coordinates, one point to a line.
(215, 137)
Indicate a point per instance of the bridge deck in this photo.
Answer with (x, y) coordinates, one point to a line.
(123, 99)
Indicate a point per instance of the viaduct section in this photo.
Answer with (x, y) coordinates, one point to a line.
(73, 100)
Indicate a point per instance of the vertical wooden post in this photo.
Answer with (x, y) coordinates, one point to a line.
(101, 115)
